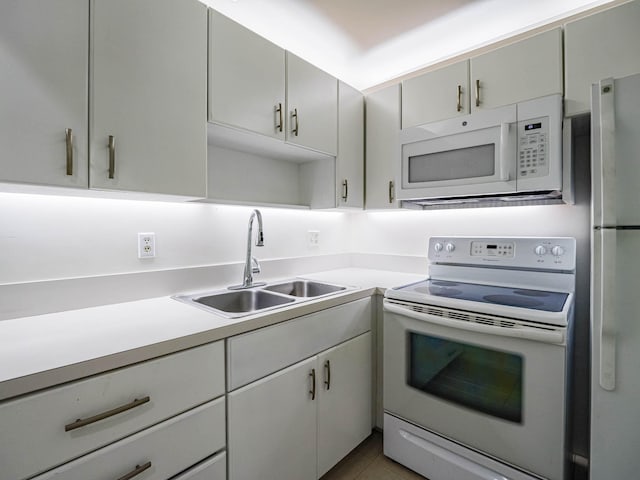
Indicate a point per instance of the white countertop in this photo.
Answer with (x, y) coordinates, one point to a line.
(45, 350)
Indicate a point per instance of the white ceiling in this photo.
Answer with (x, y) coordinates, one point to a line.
(367, 42)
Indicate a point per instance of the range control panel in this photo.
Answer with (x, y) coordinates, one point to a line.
(533, 155)
(549, 253)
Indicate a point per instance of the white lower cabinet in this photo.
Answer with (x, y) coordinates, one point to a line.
(300, 421)
(132, 406)
(157, 453)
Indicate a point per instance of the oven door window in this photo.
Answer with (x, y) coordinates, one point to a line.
(482, 379)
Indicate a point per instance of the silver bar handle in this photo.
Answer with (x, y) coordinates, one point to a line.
(110, 413)
(112, 156)
(279, 112)
(296, 129)
(391, 191)
(136, 471)
(327, 369)
(459, 107)
(345, 189)
(69, 141)
(477, 93)
(312, 392)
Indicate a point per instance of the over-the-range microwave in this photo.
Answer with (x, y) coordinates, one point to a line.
(511, 153)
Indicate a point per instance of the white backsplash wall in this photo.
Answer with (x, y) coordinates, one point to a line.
(407, 232)
(46, 237)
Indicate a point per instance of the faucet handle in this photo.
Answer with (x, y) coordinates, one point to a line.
(255, 265)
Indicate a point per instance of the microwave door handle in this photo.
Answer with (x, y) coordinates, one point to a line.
(544, 336)
(505, 147)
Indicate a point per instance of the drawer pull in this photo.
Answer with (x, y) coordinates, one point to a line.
(101, 416)
(136, 471)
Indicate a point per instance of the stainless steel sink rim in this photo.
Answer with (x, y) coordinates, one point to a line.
(265, 291)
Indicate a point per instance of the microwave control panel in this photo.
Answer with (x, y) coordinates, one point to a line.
(533, 154)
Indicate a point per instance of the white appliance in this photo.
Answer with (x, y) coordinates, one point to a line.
(615, 299)
(513, 152)
(476, 360)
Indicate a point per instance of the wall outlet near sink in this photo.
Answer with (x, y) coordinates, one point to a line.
(146, 245)
(313, 238)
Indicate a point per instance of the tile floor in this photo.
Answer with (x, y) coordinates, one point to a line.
(366, 462)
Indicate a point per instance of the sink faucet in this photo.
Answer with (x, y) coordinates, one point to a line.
(251, 265)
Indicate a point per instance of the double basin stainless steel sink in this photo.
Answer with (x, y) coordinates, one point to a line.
(238, 303)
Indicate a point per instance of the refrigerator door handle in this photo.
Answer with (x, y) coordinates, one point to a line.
(607, 309)
(607, 153)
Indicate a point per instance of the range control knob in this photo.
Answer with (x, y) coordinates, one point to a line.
(438, 247)
(557, 251)
(450, 247)
(540, 250)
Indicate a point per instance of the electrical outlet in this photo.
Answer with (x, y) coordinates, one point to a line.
(313, 237)
(146, 245)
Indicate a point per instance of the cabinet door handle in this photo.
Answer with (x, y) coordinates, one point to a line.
(327, 368)
(477, 93)
(136, 471)
(279, 112)
(313, 384)
(112, 156)
(345, 189)
(459, 107)
(391, 191)
(110, 413)
(69, 141)
(294, 114)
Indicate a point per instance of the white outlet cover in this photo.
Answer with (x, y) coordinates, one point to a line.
(313, 238)
(146, 245)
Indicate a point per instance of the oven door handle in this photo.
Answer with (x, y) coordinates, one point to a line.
(527, 333)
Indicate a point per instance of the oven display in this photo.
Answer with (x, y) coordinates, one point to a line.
(484, 249)
(482, 379)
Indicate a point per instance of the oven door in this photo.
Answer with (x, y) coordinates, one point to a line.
(498, 390)
(453, 158)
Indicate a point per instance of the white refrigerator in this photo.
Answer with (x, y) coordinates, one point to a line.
(615, 280)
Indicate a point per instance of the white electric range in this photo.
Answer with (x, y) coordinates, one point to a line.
(476, 360)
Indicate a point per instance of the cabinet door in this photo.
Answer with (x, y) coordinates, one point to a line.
(148, 72)
(344, 407)
(350, 160)
(382, 149)
(437, 95)
(527, 69)
(312, 106)
(246, 78)
(44, 83)
(596, 47)
(272, 426)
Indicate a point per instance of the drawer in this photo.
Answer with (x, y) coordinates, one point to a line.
(34, 427)
(256, 354)
(166, 449)
(214, 468)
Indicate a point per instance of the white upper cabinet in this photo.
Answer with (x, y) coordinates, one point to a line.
(350, 159)
(256, 86)
(382, 149)
(524, 70)
(437, 95)
(148, 96)
(246, 78)
(312, 106)
(599, 46)
(44, 79)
